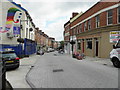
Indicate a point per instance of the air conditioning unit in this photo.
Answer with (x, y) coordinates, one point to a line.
(10, 35)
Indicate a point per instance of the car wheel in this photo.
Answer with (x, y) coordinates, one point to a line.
(116, 63)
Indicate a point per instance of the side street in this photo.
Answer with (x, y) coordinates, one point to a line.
(59, 44)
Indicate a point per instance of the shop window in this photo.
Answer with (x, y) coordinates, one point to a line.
(97, 21)
(79, 46)
(119, 14)
(89, 44)
(110, 17)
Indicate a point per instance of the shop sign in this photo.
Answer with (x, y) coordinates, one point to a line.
(114, 36)
(16, 30)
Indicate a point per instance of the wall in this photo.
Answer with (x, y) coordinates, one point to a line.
(5, 7)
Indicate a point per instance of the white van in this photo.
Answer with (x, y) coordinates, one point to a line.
(115, 55)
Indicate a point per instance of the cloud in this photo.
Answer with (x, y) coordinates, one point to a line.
(50, 17)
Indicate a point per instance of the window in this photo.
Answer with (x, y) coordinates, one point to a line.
(89, 24)
(77, 29)
(80, 30)
(97, 21)
(85, 26)
(110, 17)
(89, 44)
(119, 14)
(79, 46)
(74, 31)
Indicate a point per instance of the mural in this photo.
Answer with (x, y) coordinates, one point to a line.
(10, 19)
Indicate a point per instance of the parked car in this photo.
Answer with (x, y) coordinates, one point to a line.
(11, 59)
(50, 49)
(2, 75)
(61, 51)
(115, 55)
(40, 52)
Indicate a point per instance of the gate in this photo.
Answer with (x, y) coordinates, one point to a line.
(29, 47)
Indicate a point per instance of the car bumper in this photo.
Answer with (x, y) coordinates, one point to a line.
(10, 66)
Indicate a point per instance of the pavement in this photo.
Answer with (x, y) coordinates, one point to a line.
(17, 77)
(55, 70)
(103, 61)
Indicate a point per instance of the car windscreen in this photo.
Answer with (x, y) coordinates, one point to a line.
(9, 55)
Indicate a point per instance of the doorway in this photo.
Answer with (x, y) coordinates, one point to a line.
(96, 49)
(83, 47)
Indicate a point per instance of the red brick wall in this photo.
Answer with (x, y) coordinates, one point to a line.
(97, 7)
(115, 16)
(103, 19)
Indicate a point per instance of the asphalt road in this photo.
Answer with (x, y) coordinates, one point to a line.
(53, 70)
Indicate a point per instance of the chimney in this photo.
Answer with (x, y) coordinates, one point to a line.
(74, 14)
(19, 5)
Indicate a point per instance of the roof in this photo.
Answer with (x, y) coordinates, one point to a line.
(17, 5)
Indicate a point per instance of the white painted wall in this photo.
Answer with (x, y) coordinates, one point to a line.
(5, 7)
(3, 37)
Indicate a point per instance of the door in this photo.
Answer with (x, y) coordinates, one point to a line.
(83, 47)
(96, 48)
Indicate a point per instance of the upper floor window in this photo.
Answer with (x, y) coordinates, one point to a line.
(97, 21)
(89, 24)
(77, 29)
(85, 26)
(80, 30)
(119, 14)
(109, 17)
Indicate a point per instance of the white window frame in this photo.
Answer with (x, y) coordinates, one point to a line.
(89, 24)
(97, 21)
(85, 26)
(110, 17)
(80, 26)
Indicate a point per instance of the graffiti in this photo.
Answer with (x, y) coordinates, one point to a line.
(10, 19)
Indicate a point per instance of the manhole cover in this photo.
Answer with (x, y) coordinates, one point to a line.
(104, 64)
(58, 70)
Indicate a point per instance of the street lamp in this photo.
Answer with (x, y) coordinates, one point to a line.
(72, 42)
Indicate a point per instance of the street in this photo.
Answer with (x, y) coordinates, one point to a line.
(54, 70)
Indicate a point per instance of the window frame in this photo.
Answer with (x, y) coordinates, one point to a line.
(89, 24)
(91, 47)
(85, 26)
(109, 17)
(97, 21)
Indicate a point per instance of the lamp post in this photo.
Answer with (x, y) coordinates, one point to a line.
(72, 42)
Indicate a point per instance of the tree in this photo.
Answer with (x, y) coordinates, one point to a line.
(61, 45)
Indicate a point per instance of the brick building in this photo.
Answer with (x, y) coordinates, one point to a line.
(96, 30)
(44, 41)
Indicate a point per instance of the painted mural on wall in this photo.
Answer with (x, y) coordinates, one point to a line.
(10, 19)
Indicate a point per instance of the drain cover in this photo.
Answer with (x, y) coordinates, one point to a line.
(104, 64)
(58, 70)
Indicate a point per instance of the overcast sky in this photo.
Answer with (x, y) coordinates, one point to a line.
(50, 16)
